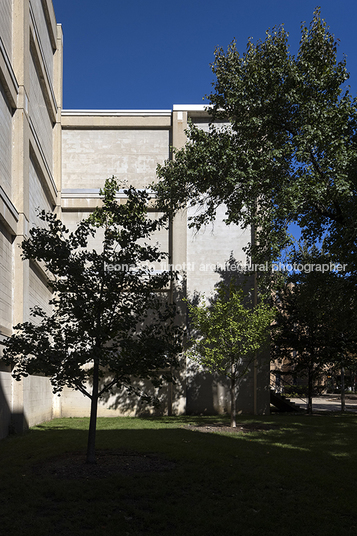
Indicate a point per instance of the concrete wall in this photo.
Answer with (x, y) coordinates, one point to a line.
(57, 161)
(5, 142)
(6, 25)
(5, 403)
(207, 254)
(37, 400)
(5, 280)
(23, 404)
(43, 31)
(208, 251)
(39, 115)
(37, 197)
(91, 156)
(93, 150)
(39, 294)
(30, 87)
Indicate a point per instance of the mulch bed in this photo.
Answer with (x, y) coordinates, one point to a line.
(109, 463)
(114, 462)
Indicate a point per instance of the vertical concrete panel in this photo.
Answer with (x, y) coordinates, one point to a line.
(37, 399)
(6, 25)
(39, 294)
(37, 198)
(209, 251)
(43, 35)
(6, 297)
(39, 115)
(5, 143)
(5, 403)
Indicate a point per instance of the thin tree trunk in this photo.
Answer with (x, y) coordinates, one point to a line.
(343, 398)
(309, 392)
(233, 403)
(93, 416)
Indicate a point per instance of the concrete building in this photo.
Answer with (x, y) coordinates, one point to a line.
(58, 160)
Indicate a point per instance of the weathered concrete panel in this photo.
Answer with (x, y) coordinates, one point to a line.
(89, 157)
(37, 198)
(5, 403)
(39, 294)
(39, 116)
(208, 251)
(37, 399)
(6, 251)
(44, 36)
(160, 238)
(116, 404)
(6, 25)
(5, 143)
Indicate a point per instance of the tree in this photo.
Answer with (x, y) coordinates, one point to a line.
(109, 322)
(228, 334)
(288, 152)
(315, 325)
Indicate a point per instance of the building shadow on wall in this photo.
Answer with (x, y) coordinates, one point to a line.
(10, 422)
(205, 393)
(208, 393)
(142, 398)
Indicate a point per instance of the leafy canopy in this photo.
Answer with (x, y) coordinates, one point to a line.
(315, 325)
(286, 150)
(106, 308)
(228, 334)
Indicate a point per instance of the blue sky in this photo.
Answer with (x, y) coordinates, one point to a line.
(151, 54)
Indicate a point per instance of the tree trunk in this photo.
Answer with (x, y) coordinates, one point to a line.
(309, 392)
(343, 400)
(93, 416)
(233, 403)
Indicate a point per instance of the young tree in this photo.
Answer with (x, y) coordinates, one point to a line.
(109, 322)
(315, 325)
(289, 151)
(228, 335)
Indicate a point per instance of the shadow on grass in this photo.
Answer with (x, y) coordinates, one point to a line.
(277, 481)
(331, 434)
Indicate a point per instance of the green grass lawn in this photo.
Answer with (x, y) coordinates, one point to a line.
(298, 478)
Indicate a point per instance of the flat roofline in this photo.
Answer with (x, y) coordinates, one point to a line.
(117, 112)
(176, 108)
(190, 107)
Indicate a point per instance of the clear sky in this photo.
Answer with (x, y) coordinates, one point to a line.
(151, 54)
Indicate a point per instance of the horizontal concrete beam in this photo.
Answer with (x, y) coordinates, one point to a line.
(96, 119)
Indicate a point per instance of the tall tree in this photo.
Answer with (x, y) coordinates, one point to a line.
(228, 334)
(109, 322)
(288, 152)
(315, 326)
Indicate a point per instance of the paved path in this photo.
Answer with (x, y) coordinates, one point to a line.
(329, 403)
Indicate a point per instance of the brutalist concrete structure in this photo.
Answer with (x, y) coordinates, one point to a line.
(58, 160)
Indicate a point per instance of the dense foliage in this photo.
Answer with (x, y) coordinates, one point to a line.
(281, 147)
(315, 329)
(228, 334)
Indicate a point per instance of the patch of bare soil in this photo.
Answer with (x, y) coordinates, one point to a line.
(241, 428)
(109, 463)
